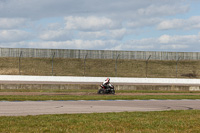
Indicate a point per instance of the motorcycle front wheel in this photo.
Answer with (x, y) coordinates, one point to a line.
(112, 91)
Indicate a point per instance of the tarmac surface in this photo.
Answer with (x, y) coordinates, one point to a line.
(18, 108)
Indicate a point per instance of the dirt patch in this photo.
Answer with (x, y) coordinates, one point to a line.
(88, 93)
(45, 93)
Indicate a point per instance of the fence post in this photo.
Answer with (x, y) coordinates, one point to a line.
(116, 65)
(20, 62)
(52, 62)
(177, 67)
(85, 63)
(147, 61)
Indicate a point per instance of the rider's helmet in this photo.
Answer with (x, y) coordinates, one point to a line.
(108, 79)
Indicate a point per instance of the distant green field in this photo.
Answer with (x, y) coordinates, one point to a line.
(99, 67)
(187, 121)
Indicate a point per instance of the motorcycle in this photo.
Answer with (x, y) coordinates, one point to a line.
(109, 89)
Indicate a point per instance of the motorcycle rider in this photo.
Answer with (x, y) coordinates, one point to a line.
(106, 83)
(106, 87)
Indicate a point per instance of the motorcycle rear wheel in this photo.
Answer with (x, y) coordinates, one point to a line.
(101, 91)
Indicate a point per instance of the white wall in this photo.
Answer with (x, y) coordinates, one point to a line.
(92, 80)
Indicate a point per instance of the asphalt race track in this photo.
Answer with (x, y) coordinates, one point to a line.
(25, 108)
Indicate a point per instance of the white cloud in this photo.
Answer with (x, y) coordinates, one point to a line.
(94, 24)
(90, 23)
(143, 44)
(117, 34)
(14, 35)
(143, 22)
(55, 35)
(174, 46)
(9, 23)
(162, 43)
(164, 39)
(162, 10)
(186, 39)
(92, 35)
(115, 8)
(72, 44)
(54, 26)
(186, 24)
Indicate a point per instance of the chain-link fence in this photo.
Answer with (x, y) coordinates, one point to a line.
(100, 67)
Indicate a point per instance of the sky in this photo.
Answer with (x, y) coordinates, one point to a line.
(128, 25)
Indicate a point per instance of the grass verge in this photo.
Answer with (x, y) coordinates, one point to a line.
(164, 121)
(94, 97)
(91, 91)
(91, 94)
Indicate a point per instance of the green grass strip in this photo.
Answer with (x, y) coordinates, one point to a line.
(92, 91)
(137, 122)
(95, 97)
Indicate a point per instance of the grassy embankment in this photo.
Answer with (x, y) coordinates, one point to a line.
(99, 67)
(162, 122)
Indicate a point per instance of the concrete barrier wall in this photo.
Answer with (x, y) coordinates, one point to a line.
(97, 54)
(95, 80)
(96, 86)
(69, 82)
